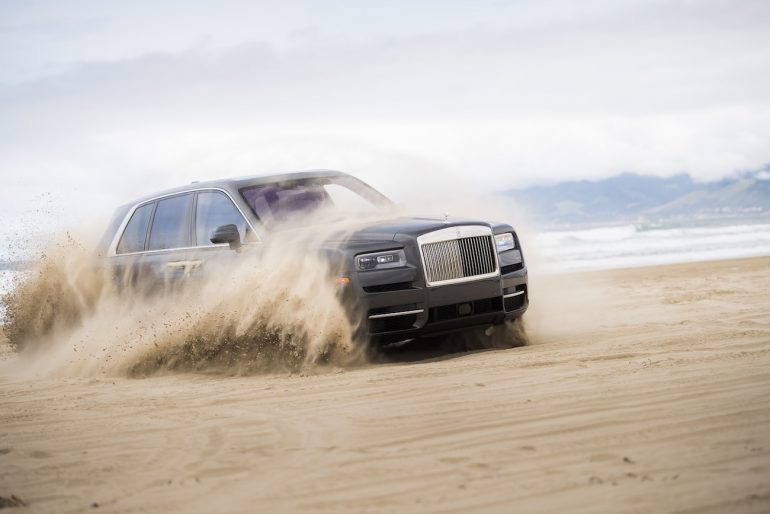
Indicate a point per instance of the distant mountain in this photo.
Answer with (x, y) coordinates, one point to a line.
(744, 195)
(631, 197)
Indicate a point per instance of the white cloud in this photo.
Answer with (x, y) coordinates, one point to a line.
(464, 96)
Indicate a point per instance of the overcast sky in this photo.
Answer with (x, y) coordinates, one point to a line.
(103, 101)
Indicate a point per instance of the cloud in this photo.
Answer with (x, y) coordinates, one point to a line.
(511, 93)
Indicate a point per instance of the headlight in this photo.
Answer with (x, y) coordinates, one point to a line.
(381, 260)
(504, 242)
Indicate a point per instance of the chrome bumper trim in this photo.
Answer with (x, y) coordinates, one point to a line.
(394, 314)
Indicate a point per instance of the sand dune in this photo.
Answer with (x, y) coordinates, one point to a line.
(643, 390)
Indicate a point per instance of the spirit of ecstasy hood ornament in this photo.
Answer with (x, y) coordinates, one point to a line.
(446, 217)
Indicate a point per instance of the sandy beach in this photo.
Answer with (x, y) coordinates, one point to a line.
(641, 390)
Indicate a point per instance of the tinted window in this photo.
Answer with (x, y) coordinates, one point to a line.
(349, 200)
(278, 203)
(170, 226)
(136, 231)
(216, 209)
(313, 200)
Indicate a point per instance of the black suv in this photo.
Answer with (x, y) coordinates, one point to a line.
(406, 277)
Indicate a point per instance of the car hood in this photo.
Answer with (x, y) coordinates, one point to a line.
(393, 232)
(398, 228)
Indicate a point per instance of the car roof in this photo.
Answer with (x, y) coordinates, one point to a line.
(233, 184)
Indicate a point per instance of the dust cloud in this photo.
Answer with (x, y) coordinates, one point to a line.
(275, 311)
(278, 311)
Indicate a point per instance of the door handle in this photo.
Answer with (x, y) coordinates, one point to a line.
(183, 267)
(183, 264)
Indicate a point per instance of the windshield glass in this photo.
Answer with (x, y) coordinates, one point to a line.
(279, 204)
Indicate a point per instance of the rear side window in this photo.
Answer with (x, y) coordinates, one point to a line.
(171, 224)
(216, 209)
(136, 231)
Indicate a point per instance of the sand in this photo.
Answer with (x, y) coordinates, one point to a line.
(644, 390)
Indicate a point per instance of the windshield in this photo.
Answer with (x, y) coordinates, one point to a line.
(312, 200)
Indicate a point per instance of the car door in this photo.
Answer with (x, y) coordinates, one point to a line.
(170, 253)
(128, 265)
(214, 208)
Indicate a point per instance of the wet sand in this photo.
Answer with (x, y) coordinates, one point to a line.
(644, 390)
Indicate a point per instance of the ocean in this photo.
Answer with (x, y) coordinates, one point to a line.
(628, 246)
(589, 249)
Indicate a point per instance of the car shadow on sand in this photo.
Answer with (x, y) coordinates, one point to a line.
(450, 346)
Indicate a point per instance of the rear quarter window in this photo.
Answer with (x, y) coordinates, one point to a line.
(134, 235)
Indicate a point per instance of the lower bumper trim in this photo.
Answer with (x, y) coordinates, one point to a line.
(394, 314)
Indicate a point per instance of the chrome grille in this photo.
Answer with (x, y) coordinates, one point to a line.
(459, 258)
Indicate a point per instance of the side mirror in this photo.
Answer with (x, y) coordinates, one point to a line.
(227, 234)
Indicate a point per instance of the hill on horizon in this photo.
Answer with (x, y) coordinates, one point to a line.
(631, 197)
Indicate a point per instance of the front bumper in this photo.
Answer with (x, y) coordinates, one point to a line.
(395, 305)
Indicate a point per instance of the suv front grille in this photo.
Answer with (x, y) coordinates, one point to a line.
(460, 258)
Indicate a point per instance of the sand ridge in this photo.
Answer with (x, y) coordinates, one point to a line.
(642, 390)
